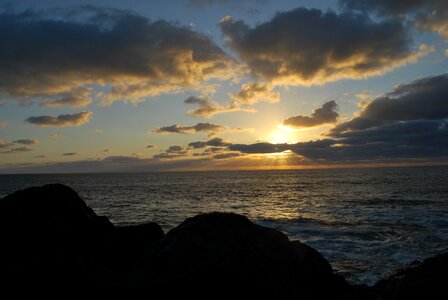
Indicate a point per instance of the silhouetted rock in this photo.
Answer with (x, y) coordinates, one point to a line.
(51, 240)
(225, 254)
(427, 280)
(132, 243)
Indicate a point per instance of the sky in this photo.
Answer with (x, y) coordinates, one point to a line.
(138, 85)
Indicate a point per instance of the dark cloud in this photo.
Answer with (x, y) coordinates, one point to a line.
(424, 99)
(407, 140)
(210, 128)
(204, 3)
(387, 6)
(13, 147)
(56, 60)
(17, 150)
(324, 115)
(260, 148)
(430, 15)
(227, 155)
(61, 120)
(150, 146)
(410, 123)
(177, 150)
(26, 141)
(308, 46)
(216, 142)
(172, 152)
(70, 154)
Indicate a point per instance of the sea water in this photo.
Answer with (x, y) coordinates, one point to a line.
(366, 222)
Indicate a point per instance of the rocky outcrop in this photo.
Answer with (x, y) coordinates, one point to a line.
(422, 280)
(52, 241)
(228, 253)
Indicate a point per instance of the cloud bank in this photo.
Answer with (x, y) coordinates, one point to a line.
(307, 46)
(424, 99)
(429, 15)
(56, 61)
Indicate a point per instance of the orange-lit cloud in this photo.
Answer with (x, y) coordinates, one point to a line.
(249, 94)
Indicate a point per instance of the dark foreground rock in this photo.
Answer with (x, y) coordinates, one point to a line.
(228, 253)
(427, 280)
(51, 242)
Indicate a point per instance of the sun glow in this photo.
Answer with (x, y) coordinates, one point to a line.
(282, 135)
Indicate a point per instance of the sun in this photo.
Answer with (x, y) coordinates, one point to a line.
(282, 135)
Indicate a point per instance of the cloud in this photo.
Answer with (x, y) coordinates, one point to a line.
(430, 15)
(254, 92)
(210, 128)
(226, 155)
(364, 95)
(260, 148)
(325, 115)
(423, 99)
(172, 152)
(399, 141)
(69, 153)
(216, 142)
(208, 108)
(250, 94)
(204, 3)
(26, 141)
(386, 6)
(177, 150)
(17, 150)
(407, 124)
(307, 46)
(78, 97)
(4, 144)
(61, 120)
(12, 147)
(150, 146)
(58, 60)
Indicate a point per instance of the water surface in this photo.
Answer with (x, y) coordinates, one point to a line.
(366, 222)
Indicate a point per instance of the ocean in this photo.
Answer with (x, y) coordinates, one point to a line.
(366, 222)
